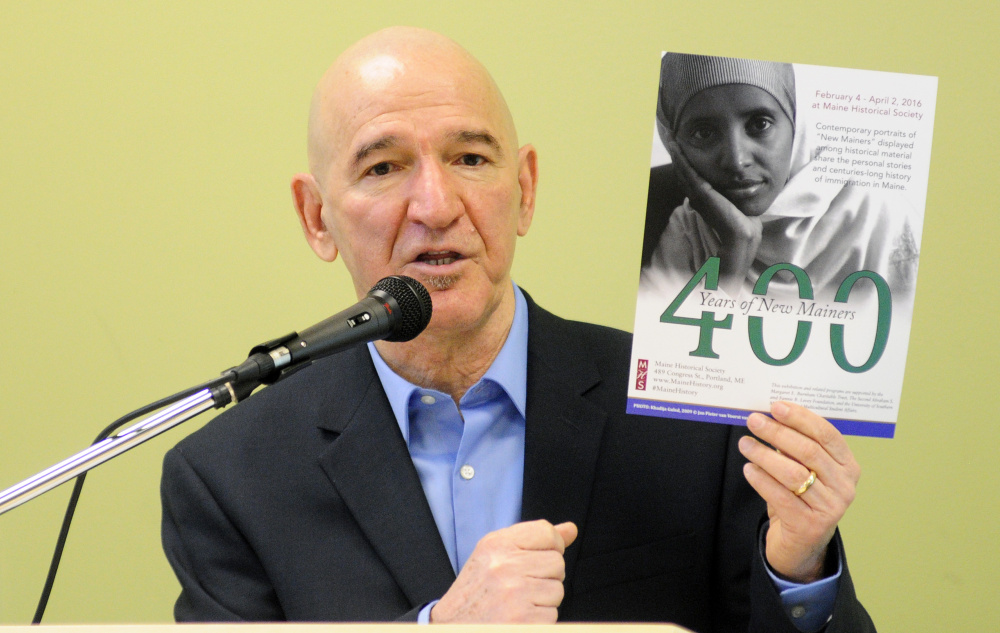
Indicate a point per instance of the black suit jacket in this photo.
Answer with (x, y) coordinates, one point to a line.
(303, 504)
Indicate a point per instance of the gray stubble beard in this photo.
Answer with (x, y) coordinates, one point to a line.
(442, 282)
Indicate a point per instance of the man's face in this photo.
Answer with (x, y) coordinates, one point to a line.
(739, 140)
(424, 179)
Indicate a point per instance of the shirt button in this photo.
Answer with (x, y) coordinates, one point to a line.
(798, 611)
(428, 399)
(467, 472)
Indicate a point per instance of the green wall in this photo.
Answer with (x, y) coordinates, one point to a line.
(145, 153)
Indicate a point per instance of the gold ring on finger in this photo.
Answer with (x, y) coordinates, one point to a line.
(807, 484)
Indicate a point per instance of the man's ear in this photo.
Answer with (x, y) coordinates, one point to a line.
(309, 207)
(527, 177)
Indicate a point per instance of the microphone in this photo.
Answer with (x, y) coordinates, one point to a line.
(397, 309)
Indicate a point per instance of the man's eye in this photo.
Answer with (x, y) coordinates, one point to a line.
(381, 169)
(472, 160)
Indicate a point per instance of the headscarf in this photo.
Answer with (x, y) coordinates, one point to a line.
(683, 76)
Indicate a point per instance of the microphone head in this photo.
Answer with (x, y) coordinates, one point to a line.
(414, 305)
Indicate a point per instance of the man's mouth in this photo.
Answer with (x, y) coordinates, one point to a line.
(438, 258)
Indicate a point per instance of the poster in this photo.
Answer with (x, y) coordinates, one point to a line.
(782, 241)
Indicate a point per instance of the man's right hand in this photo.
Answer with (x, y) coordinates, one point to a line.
(514, 575)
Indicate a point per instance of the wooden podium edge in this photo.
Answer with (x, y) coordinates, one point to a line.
(281, 627)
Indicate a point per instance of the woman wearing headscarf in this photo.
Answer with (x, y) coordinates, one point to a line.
(740, 159)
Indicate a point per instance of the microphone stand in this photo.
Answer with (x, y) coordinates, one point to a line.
(101, 452)
(264, 366)
(396, 309)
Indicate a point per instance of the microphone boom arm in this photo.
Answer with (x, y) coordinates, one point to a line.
(96, 454)
(396, 309)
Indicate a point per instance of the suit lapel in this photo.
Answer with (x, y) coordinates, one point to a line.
(371, 469)
(563, 429)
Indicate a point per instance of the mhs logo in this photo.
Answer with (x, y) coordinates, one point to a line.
(640, 374)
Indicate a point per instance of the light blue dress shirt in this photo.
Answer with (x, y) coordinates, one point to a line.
(470, 457)
(470, 460)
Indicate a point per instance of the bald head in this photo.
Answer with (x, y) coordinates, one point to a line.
(395, 63)
(416, 170)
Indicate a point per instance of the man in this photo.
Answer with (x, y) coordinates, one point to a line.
(486, 470)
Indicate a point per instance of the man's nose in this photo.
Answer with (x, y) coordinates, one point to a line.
(434, 200)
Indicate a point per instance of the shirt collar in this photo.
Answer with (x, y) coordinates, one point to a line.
(509, 370)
